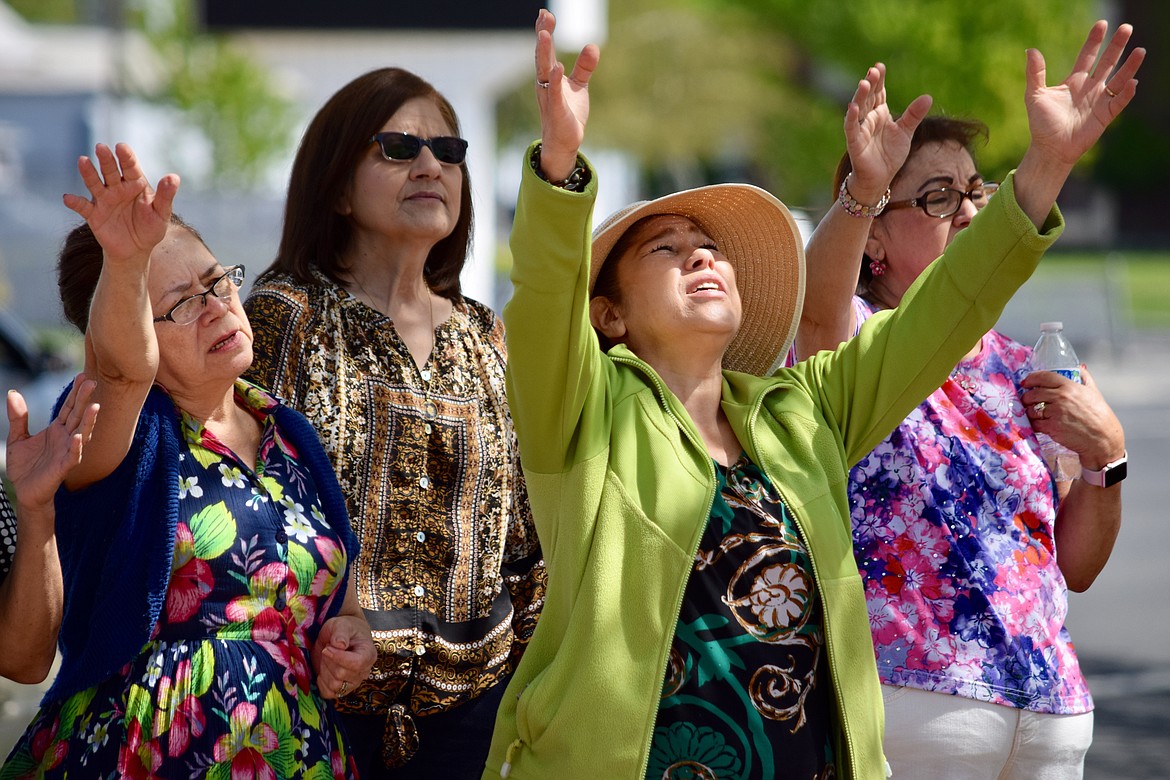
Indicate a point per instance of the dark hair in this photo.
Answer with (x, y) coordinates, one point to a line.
(79, 264)
(932, 130)
(606, 283)
(315, 233)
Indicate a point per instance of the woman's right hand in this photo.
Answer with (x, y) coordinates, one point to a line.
(878, 144)
(128, 217)
(563, 103)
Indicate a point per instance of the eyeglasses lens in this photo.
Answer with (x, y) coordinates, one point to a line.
(941, 203)
(189, 310)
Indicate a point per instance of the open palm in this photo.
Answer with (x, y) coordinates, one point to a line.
(1068, 118)
(128, 217)
(37, 464)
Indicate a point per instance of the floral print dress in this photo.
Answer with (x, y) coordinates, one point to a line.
(747, 692)
(224, 688)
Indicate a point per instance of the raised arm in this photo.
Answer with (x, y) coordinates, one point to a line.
(1065, 120)
(128, 218)
(31, 595)
(878, 146)
(563, 101)
(553, 355)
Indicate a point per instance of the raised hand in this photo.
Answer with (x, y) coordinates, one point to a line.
(1068, 118)
(37, 464)
(877, 143)
(128, 217)
(563, 100)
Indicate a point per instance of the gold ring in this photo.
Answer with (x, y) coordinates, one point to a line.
(1110, 92)
(1039, 408)
(344, 687)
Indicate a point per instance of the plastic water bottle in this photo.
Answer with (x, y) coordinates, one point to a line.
(1054, 353)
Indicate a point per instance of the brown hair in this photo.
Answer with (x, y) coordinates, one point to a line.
(932, 130)
(316, 234)
(79, 264)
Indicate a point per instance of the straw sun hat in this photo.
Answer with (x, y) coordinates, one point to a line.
(759, 237)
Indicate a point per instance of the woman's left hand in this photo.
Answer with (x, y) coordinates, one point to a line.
(1074, 415)
(343, 655)
(1067, 119)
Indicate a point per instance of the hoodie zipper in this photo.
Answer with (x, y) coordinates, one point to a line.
(662, 393)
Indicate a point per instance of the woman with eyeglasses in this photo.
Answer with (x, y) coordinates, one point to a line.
(965, 542)
(361, 324)
(203, 538)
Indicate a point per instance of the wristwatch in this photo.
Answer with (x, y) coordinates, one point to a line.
(1108, 476)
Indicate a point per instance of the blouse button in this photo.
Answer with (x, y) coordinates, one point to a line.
(419, 650)
(419, 591)
(424, 483)
(420, 536)
(281, 536)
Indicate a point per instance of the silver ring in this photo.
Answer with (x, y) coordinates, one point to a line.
(1039, 408)
(1110, 92)
(543, 84)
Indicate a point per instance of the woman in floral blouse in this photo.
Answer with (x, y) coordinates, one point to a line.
(965, 541)
(361, 326)
(203, 539)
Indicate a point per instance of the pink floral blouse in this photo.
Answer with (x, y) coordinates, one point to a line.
(953, 531)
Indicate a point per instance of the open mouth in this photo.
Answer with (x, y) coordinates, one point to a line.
(224, 342)
(706, 286)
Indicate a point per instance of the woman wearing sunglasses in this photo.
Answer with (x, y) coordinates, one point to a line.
(704, 615)
(361, 325)
(966, 544)
(203, 538)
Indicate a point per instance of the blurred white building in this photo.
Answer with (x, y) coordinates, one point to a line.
(62, 89)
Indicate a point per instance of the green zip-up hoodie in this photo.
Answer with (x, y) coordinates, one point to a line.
(621, 484)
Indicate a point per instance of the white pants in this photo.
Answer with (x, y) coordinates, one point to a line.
(936, 736)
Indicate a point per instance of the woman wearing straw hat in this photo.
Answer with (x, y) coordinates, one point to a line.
(704, 616)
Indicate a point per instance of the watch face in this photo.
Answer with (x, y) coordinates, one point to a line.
(1115, 474)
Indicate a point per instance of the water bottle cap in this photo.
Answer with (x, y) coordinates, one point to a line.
(1051, 326)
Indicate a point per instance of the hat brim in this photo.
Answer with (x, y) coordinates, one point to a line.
(759, 237)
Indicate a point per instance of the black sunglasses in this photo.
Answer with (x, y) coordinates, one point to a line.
(403, 146)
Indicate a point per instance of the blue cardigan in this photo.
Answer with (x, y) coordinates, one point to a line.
(116, 537)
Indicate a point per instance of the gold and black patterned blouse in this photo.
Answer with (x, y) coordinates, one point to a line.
(450, 571)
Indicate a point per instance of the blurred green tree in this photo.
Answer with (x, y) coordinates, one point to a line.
(248, 122)
(968, 56)
(702, 89)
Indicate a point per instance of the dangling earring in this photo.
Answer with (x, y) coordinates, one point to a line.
(877, 267)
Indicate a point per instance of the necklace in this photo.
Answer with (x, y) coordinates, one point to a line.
(430, 410)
